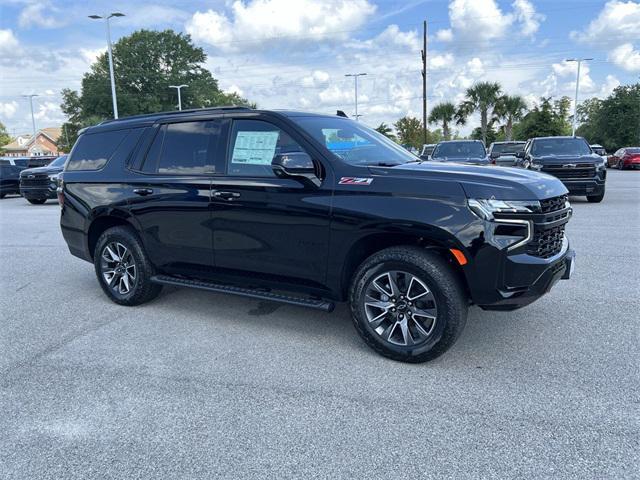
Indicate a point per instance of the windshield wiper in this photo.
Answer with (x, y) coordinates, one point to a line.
(383, 164)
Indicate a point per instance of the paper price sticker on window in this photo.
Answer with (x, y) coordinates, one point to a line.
(255, 148)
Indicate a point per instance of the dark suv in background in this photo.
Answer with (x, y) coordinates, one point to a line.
(571, 160)
(505, 154)
(310, 210)
(40, 184)
(471, 152)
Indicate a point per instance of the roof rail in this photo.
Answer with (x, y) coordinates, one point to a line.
(176, 112)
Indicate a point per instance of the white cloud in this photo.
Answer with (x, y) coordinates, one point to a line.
(626, 57)
(475, 67)
(444, 35)
(49, 113)
(8, 42)
(609, 85)
(39, 15)
(272, 20)
(91, 55)
(318, 77)
(234, 89)
(526, 15)
(8, 110)
(437, 62)
(151, 15)
(616, 22)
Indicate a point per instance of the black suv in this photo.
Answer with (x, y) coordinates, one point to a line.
(40, 184)
(471, 152)
(571, 160)
(309, 210)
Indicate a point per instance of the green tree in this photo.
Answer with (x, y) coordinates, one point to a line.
(445, 113)
(546, 119)
(4, 136)
(385, 130)
(481, 97)
(613, 122)
(491, 135)
(409, 131)
(510, 109)
(146, 63)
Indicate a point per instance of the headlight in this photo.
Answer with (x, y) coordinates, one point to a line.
(53, 177)
(486, 208)
(506, 233)
(535, 166)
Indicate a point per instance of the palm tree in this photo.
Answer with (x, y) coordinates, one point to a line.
(445, 113)
(510, 108)
(385, 130)
(481, 97)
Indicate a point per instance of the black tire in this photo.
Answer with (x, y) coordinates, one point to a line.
(620, 165)
(2, 195)
(445, 288)
(595, 198)
(36, 201)
(141, 289)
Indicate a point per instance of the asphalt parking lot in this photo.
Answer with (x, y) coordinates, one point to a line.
(200, 385)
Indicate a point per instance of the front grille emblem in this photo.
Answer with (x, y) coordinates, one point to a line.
(569, 165)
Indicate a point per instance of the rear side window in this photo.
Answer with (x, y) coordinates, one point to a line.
(185, 148)
(93, 151)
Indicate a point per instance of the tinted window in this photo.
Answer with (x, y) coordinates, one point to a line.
(93, 151)
(560, 146)
(59, 162)
(184, 149)
(459, 150)
(254, 143)
(353, 142)
(633, 151)
(507, 148)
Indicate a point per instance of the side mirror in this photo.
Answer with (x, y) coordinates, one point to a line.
(295, 164)
(494, 155)
(520, 154)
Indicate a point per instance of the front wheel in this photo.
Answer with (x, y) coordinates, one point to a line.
(595, 198)
(620, 165)
(408, 304)
(36, 201)
(122, 267)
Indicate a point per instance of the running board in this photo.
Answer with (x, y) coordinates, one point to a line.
(315, 303)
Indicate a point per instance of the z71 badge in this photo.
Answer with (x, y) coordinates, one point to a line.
(355, 181)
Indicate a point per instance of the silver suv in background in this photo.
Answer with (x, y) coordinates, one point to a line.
(504, 154)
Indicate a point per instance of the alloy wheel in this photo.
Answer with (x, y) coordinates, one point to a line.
(400, 308)
(118, 268)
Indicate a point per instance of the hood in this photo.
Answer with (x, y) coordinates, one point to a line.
(487, 181)
(40, 170)
(564, 159)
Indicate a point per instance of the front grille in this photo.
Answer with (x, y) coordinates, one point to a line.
(546, 242)
(553, 204)
(581, 170)
(36, 181)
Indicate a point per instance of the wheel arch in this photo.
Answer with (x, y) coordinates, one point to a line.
(364, 247)
(104, 221)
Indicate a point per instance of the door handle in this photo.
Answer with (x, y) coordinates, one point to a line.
(226, 195)
(143, 191)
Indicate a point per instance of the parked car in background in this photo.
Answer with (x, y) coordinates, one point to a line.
(9, 177)
(461, 151)
(628, 157)
(311, 209)
(571, 160)
(599, 150)
(427, 150)
(38, 185)
(504, 153)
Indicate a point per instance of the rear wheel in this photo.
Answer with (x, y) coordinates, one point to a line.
(408, 304)
(620, 165)
(122, 267)
(36, 201)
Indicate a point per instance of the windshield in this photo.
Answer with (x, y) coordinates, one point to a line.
(459, 150)
(354, 143)
(560, 146)
(632, 150)
(507, 148)
(59, 162)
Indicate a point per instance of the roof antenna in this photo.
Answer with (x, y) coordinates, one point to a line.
(340, 113)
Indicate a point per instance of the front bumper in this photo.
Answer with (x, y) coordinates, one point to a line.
(522, 279)
(585, 187)
(39, 192)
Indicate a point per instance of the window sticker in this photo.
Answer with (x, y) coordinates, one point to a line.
(255, 148)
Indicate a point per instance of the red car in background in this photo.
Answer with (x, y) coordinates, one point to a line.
(628, 157)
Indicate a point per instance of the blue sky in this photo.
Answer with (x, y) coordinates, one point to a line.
(294, 54)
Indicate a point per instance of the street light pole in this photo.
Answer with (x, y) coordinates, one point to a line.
(110, 54)
(355, 77)
(575, 102)
(178, 88)
(33, 118)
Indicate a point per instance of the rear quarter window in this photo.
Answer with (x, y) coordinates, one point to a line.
(94, 150)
